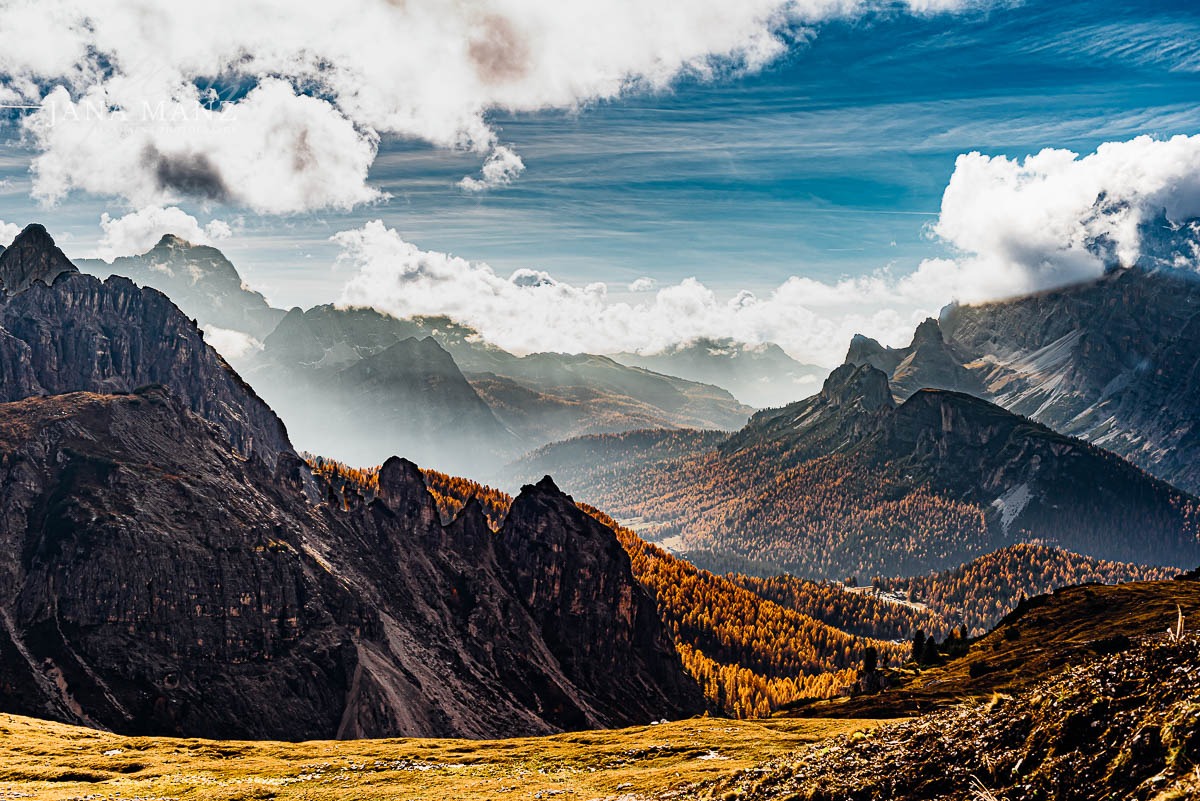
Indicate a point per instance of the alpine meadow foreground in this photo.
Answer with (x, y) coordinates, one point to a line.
(56, 762)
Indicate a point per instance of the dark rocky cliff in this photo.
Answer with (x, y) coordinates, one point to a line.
(153, 582)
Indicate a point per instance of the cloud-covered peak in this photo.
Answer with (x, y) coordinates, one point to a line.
(1056, 217)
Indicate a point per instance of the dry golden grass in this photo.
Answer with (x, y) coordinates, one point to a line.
(45, 760)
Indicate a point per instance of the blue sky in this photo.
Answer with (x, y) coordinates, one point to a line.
(830, 162)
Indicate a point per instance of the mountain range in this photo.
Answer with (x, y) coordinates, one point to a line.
(850, 483)
(762, 376)
(171, 566)
(175, 566)
(350, 386)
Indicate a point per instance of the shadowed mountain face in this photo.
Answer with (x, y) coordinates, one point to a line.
(850, 483)
(155, 580)
(200, 280)
(1115, 362)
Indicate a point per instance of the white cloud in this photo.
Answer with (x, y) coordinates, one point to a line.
(8, 232)
(233, 345)
(273, 151)
(129, 117)
(140, 230)
(643, 284)
(1017, 226)
(531, 311)
(939, 6)
(1055, 217)
(501, 169)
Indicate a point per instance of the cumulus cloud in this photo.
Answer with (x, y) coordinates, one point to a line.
(643, 284)
(1054, 218)
(131, 109)
(8, 232)
(501, 169)
(272, 151)
(233, 345)
(531, 311)
(140, 230)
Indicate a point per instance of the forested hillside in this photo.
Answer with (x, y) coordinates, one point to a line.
(757, 644)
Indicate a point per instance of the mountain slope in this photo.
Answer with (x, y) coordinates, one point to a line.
(386, 396)
(750, 654)
(849, 483)
(1114, 361)
(474, 410)
(153, 582)
(198, 279)
(1123, 726)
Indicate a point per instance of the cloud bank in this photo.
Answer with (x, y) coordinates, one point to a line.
(8, 232)
(279, 106)
(530, 311)
(1016, 226)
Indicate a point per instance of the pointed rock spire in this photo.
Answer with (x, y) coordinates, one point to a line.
(31, 257)
(402, 489)
(927, 331)
(864, 384)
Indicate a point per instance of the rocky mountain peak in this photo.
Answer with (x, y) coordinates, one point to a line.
(171, 241)
(547, 485)
(31, 257)
(402, 489)
(865, 350)
(927, 331)
(862, 384)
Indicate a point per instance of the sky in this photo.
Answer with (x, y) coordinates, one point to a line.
(770, 171)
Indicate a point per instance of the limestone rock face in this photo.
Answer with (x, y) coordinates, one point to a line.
(595, 617)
